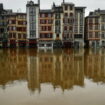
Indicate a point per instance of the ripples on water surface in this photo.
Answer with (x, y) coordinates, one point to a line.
(45, 77)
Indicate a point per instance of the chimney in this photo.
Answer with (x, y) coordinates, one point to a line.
(39, 2)
(63, 1)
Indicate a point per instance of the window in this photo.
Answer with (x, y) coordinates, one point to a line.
(90, 34)
(24, 36)
(42, 15)
(58, 35)
(50, 21)
(43, 28)
(81, 29)
(90, 20)
(49, 15)
(32, 26)
(10, 35)
(103, 19)
(70, 28)
(13, 22)
(66, 14)
(65, 21)
(19, 36)
(32, 11)
(71, 14)
(49, 28)
(24, 23)
(49, 45)
(32, 33)
(96, 34)
(46, 15)
(65, 28)
(90, 27)
(10, 22)
(78, 36)
(14, 35)
(42, 35)
(96, 27)
(57, 29)
(76, 29)
(57, 16)
(66, 7)
(41, 45)
(103, 27)
(71, 7)
(103, 35)
(57, 22)
(14, 28)
(81, 19)
(96, 20)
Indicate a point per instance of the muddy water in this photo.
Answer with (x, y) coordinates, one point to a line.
(52, 77)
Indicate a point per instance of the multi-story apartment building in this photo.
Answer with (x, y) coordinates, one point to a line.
(3, 26)
(46, 33)
(95, 28)
(58, 25)
(61, 26)
(73, 25)
(16, 29)
(79, 22)
(12, 28)
(68, 23)
(32, 22)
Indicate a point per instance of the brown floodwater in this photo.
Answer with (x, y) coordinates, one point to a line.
(52, 77)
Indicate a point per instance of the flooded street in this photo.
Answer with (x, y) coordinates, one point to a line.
(52, 77)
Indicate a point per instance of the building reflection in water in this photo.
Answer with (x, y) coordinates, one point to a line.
(95, 65)
(13, 66)
(60, 68)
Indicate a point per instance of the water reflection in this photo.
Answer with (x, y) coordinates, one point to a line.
(62, 69)
(95, 65)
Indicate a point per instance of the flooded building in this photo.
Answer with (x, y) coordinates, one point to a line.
(16, 29)
(73, 25)
(58, 25)
(32, 10)
(46, 33)
(12, 28)
(79, 22)
(3, 26)
(68, 23)
(95, 28)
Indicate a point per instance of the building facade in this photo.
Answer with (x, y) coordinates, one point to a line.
(46, 33)
(58, 26)
(16, 29)
(12, 28)
(61, 26)
(3, 26)
(95, 29)
(79, 22)
(32, 10)
(68, 23)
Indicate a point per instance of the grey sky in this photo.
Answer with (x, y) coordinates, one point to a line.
(20, 4)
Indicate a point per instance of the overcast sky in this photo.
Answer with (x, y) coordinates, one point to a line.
(21, 4)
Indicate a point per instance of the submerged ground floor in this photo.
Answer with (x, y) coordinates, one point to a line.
(42, 43)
